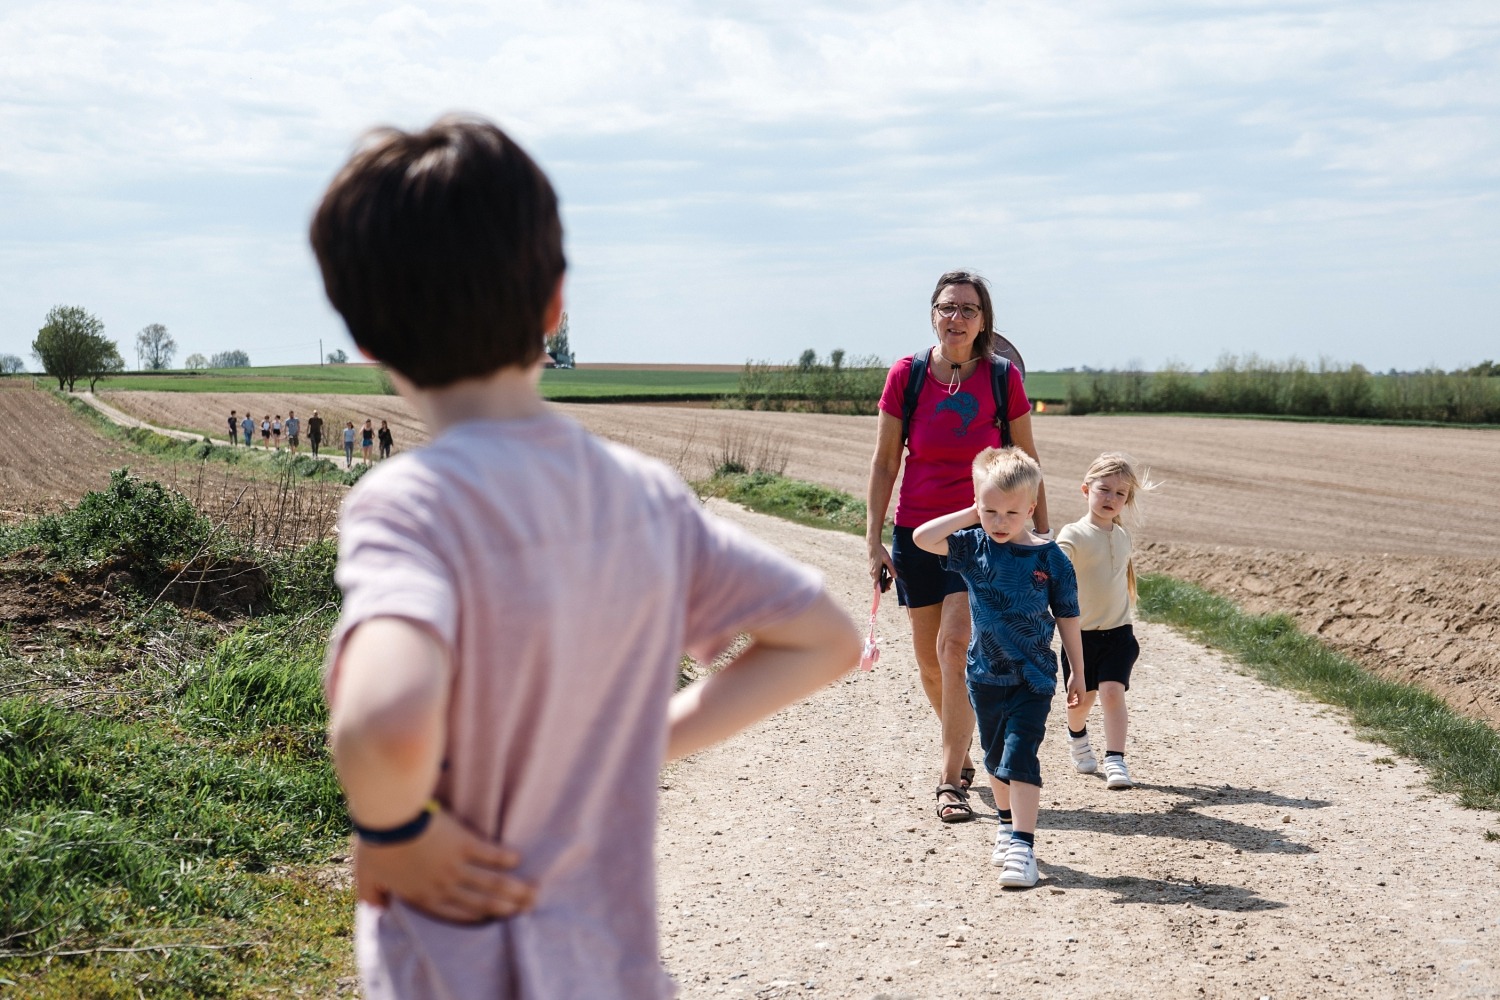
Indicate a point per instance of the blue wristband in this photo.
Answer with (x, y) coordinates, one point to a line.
(410, 830)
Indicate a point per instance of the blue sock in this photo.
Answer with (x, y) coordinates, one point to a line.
(1005, 815)
(1029, 839)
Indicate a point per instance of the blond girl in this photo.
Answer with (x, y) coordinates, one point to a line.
(1099, 548)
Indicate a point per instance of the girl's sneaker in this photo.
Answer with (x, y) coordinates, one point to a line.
(1116, 774)
(1019, 870)
(1084, 761)
(1002, 842)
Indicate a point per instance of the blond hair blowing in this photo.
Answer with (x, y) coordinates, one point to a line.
(1117, 463)
(1008, 470)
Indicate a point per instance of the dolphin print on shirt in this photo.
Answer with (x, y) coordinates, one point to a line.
(966, 406)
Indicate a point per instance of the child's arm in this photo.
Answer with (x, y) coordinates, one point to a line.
(386, 728)
(933, 536)
(1072, 641)
(784, 662)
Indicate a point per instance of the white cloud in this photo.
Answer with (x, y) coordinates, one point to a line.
(1069, 150)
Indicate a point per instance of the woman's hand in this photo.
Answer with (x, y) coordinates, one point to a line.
(880, 558)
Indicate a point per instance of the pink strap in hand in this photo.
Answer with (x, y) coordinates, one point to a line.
(871, 654)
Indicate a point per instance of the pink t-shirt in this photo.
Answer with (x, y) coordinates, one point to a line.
(947, 431)
(566, 575)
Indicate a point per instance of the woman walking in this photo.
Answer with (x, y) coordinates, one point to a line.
(938, 429)
(367, 441)
(386, 440)
(349, 444)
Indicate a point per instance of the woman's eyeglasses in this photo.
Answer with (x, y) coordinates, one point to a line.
(948, 310)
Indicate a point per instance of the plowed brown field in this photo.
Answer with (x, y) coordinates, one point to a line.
(1384, 540)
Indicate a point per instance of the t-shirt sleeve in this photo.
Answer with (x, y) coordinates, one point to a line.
(1067, 540)
(737, 583)
(893, 398)
(961, 546)
(388, 566)
(1017, 402)
(1062, 592)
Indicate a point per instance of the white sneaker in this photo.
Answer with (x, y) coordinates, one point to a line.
(1084, 760)
(1002, 843)
(1116, 774)
(1019, 871)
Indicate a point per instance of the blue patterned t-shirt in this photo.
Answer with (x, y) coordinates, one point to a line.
(1016, 593)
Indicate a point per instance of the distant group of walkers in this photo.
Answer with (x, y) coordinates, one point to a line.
(272, 429)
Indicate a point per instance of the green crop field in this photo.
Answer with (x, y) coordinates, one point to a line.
(574, 385)
(358, 379)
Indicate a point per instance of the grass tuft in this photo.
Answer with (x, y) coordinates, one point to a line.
(1462, 755)
(790, 499)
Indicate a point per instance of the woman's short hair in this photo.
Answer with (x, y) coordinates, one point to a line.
(984, 344)
(441, 249)
(1007, 469)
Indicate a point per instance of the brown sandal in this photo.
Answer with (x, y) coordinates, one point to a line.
(954, 812)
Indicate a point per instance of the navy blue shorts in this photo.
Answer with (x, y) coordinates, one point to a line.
(1012, 721)
(921, 580)
(1108, 655)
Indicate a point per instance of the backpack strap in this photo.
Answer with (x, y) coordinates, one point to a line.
(914, 382)
(1000, 386)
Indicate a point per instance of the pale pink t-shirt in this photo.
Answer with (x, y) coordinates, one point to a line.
(947, 431)
(566, 575)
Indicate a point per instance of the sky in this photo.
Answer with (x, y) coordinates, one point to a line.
(1141, 183)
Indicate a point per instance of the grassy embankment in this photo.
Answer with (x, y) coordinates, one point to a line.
(1461, 755)
(168, 813)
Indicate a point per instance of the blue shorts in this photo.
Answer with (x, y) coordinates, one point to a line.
(1012, 721)
(921, 580)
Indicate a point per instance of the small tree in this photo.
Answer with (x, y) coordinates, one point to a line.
(338, 357)
(11, 364)
(837, 358)
(229, 359)
(71, 345)
(108, 362)
(557, 342)
(808, 360)
(196, 362)
(154, 348)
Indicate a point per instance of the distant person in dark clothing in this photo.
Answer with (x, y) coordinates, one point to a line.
(367, 441)
(315, 432)
(385, 440)
(234, 428)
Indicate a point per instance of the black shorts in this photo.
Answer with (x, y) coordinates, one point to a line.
(921, 581)
(1108, 655)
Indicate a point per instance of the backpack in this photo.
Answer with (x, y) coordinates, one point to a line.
(999, 384)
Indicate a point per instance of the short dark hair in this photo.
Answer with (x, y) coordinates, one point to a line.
(984, 344)
(441, 249)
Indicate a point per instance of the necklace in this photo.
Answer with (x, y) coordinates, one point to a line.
(954, 368)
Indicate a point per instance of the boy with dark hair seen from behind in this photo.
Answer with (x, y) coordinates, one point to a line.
(500, 752)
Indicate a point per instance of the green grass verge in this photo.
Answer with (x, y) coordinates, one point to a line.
(1461, 755)
(790, 499)
(168, 809)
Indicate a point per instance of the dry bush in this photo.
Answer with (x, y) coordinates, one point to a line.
(745, 449)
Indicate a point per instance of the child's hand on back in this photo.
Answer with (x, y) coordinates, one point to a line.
(447, 872)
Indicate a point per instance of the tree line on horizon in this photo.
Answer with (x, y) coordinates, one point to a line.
(71, 347)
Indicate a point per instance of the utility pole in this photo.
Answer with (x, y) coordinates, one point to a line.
(320, 352)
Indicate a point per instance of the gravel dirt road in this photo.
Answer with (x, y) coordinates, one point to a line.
(1266, 852)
